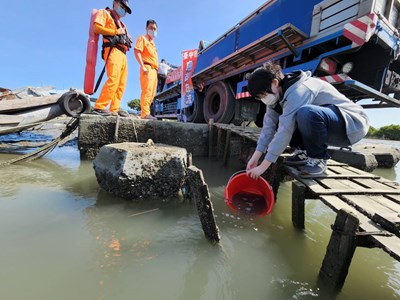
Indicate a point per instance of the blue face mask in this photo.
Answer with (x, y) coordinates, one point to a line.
(152, 33)
(120, 11)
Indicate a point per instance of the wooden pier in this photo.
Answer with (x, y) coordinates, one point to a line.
(367, 207)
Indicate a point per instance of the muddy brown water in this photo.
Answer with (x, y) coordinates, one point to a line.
(62, 237)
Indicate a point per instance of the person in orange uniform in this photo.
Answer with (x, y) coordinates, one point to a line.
(116, 42)
(146, 55)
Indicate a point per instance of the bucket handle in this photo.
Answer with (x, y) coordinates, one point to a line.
(236, 173)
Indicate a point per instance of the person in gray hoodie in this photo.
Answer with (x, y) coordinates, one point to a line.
(304, 112)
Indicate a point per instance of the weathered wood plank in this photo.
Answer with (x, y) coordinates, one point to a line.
(210, 137)
(390, 244)
(375, 184)
(335, 183)
(371, 204)
(395, 198)
(29, 102)
(353, 192)
(341, 248)
(331, 186)
(200, 194)
(342, 170)
(10, 119)
(390, 222)
(331, 173)
(298, 202)
(379, 208)
(227, 146)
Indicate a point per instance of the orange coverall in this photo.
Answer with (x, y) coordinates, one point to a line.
(148, 81)
(117, 67)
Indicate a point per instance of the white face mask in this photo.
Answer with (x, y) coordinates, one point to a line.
(270, 99)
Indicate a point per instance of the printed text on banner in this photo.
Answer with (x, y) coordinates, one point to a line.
(189, 60)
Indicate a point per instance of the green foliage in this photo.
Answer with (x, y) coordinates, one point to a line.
(372, 131)
(390, 132)
(135, 103)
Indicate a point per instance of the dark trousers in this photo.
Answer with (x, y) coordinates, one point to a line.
(318, 127)
(161, 82)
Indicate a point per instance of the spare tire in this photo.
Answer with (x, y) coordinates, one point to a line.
(74, 103)
(219, 103)
(194, 113)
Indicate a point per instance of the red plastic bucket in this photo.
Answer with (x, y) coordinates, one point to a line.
(250, 196)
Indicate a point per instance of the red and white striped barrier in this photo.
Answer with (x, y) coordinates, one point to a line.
(360, 31)
(242, 95)
(337, 78)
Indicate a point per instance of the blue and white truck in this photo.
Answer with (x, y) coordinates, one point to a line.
(354, 44)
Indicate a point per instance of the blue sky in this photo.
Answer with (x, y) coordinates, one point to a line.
(43, 43)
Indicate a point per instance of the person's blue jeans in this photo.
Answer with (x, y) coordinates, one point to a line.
(318, 127)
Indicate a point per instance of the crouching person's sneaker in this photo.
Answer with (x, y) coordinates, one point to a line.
(298, 157)
(314, 166)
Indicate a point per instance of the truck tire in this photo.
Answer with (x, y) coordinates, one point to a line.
(74, 103)
(194, 113)
(219, 103)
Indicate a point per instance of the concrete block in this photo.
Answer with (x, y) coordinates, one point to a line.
(386, 156)
(136, 170)
(363, 161)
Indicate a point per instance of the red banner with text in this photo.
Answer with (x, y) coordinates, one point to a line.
(189, 60)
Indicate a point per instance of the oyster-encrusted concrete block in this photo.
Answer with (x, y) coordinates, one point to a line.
(141, 170)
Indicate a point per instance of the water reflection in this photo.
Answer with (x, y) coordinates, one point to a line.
(58, 226)
(76, 178)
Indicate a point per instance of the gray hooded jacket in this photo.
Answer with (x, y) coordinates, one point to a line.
(307, 90)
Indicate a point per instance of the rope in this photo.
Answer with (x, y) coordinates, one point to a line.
(116, 130)
(134, 129)
(42, 151)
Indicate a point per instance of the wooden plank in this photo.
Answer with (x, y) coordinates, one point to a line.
(10, 119)
(355, 170)
(200, 194)
(210, 136)
(375, 184)
(394, 198)
(227, 146)
(390, 222)
(219, 135)
(334, 183)
(341, 248)
(344, 171)
(298, 201)
(293, 171)
(389, 183)
(371, 204)
(340, 186)
(390, 244)
(26, 103)
(353, 192)
(380, 209)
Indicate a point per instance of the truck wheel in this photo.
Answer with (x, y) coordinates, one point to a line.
(194, 113)
(74, 103)
(219, 103)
